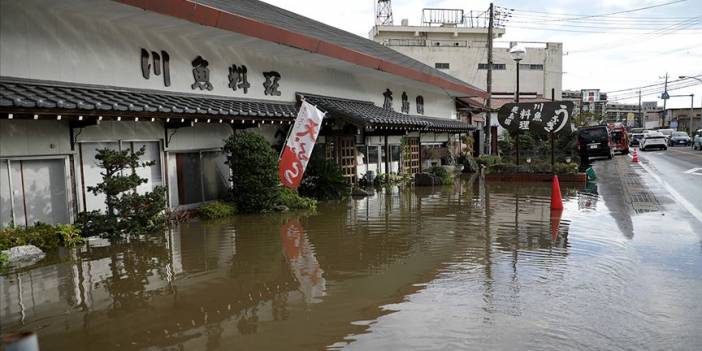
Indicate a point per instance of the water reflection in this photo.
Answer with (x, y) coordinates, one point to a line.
(277, 282)
(301, 257)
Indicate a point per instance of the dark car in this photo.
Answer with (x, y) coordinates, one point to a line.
(594, 141)
(679, 138)
(635, 139)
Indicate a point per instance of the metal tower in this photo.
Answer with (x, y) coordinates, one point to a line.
(383, 13)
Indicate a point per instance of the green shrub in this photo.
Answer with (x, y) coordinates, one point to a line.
(323, 180)
(4, 259)
(392, 178)
(504, 168)
(127, 211)
(468, 162)
(488, 160)
(292, 200)
(539, 167)
(442, 173)
(254, 169)
(43, 236)
(566, 168)
(70, 235)
(217, 209)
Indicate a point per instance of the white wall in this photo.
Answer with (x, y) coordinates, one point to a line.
(32, 138)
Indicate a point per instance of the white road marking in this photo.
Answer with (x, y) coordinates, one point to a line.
(695, 171)
(686, 204)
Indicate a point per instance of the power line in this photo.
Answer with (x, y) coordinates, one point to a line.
(605, 14)
(648, 92)
(654, 84)
(653, 34)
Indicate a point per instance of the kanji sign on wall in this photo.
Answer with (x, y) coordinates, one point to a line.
(537, 117)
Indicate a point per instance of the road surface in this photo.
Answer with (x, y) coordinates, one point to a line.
(679, 169)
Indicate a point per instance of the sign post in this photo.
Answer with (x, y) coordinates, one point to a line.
(540, 118)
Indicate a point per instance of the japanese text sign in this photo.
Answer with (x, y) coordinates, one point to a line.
(537, 117)
(298, 147)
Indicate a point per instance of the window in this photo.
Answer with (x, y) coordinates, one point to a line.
(395, 153)
(202, 176)
(495, 66)
(531, 67)
(441, 65)
(372, 154)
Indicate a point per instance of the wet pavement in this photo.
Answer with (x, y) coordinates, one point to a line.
(471, 266)
(679, 170)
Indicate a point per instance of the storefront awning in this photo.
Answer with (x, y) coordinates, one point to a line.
(447, 125)
(368, 115)
(44, 97)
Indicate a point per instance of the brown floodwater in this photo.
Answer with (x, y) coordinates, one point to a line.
(468, 266)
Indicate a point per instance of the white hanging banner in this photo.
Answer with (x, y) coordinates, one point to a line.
(299, 146)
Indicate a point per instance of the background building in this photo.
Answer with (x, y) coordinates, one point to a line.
(454, 41)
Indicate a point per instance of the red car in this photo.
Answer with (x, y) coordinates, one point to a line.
(620, 139)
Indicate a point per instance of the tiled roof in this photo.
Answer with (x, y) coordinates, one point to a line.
(68, 97)
(278, 17)
(365, 113)
(443, 124)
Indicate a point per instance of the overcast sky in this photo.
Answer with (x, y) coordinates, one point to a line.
(618, 59)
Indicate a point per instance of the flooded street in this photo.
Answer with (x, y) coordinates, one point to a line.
(469, 266)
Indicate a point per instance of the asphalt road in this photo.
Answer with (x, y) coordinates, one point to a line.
(679, 169)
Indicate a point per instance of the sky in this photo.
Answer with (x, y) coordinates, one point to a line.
(630, 50)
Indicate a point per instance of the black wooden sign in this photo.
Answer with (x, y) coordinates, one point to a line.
(537, 117)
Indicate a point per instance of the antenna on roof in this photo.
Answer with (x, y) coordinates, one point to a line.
(383, 13)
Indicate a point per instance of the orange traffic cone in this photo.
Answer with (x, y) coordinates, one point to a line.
(556, 201)
(635, 158)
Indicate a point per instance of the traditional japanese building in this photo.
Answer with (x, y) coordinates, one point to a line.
(177, 78)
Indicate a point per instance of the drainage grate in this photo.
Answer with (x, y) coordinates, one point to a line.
(643, 196)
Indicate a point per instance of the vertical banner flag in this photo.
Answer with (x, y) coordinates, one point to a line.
(298, 147)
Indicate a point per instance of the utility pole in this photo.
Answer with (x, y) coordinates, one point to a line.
(641, 119)
(488, 127)
(665, 100)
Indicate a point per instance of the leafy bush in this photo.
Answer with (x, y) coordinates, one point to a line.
(4, 259)
(323, 180)
(539, 167)
(488, 160)
(254, 169)
(566, 168)
(442, 173)
(127, 211)
(70, 235)
(391, 178)
(217, 209)
(468, 162)
(41, 235)
(292, 200)
(506, 168)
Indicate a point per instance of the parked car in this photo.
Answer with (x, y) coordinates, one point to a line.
(654, 140)
(635, 139)
(637, 130)
(667, 132)
(594, 141)
(697, 141)
(679, 138)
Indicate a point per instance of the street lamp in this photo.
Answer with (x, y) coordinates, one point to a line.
(517, 52)
(692, 104)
